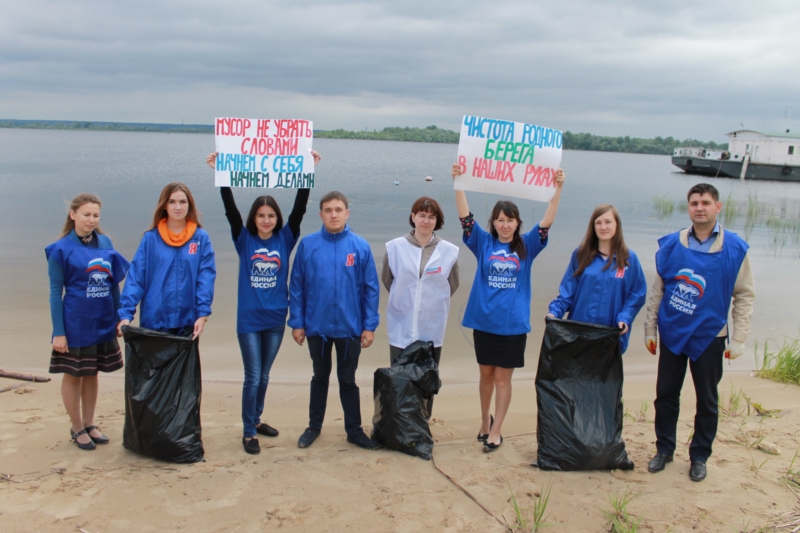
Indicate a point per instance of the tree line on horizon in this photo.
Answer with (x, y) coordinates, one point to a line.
(429, 134)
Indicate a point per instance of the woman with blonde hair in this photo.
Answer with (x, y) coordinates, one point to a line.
(173, 270)
(85, 272)
(604, 283)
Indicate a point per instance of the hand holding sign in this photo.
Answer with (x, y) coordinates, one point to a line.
(509, 158)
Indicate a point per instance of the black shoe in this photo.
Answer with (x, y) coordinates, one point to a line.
(658, 462)
(267, 430)
(489, 447)
(307, 438)
(483, 436)
(88, 446)
(102, 439)
(698, 471)
(360, 439)
(251, 446)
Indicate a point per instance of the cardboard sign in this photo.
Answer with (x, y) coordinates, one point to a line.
(508, 158)
(264, 153)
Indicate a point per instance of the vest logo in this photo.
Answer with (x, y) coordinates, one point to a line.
(503, 269)
(99, 284)
(351, 260)
(264, 268)
(620, 272)
(689, 287)
(433, 270)
(193, 248)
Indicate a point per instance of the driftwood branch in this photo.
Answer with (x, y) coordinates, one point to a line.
(23, 377)
(465, 491)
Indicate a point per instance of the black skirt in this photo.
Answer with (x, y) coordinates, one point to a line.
(88, 360)
(505, 351)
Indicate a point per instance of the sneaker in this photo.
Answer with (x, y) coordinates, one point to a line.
(307, 438)
(267, 430)
(360, 439)
(251, 446)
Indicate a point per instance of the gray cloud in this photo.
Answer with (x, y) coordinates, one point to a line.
(617, 67)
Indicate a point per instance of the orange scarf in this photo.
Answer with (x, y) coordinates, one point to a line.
(176, 239)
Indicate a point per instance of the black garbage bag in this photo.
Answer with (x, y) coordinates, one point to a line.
(162, 396)
(579, 398)
(401, 395)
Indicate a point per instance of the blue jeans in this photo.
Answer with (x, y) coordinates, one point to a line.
(259, 350)
(347, 352)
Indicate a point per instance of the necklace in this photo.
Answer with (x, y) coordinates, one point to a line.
(87, 239)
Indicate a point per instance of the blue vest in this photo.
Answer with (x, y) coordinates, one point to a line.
(698, 287)
(89, 275)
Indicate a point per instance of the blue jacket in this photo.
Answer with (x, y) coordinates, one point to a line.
(175, 285)
(604, 297)
(334, 290)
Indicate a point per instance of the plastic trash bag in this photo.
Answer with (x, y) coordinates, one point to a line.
(162, 396)
(579, 398)
(401, 395)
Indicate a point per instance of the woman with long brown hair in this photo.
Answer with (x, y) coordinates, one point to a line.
(499, 305)
(85, 272)
(172, 273)
(604, 283)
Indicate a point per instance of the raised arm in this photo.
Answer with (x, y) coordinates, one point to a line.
(552, 208)
(461, 198)
(300, 203)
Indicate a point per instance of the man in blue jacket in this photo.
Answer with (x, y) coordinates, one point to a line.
(333, 301)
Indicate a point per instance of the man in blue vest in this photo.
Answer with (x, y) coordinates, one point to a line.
(333, 302)
(700, 269)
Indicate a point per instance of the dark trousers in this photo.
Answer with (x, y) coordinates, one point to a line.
(706, 375)
(394, 353)
(347, 352)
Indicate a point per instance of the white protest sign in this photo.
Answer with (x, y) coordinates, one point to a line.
(264, 153)
(508, 158)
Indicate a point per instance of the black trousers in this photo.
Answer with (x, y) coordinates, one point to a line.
(394, 353)
(706, 375)
(347, 352)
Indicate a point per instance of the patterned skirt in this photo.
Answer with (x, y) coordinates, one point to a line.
(86, 361)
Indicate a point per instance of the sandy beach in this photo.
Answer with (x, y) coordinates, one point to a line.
(50, 485)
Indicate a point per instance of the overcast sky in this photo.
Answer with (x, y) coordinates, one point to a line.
(616, 67)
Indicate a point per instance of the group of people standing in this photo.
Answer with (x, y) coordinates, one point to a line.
(333, 297)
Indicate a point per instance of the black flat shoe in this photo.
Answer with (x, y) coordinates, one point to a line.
(658, 462)
(698, 471)
(251, 446)
(483, 436)
(102, 439)
(307, 438)
(489, 447)
(266, 430)
(88, 446)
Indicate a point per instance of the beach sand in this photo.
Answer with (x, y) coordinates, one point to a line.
(51, 485)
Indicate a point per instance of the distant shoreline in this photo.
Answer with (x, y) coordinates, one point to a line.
(430, 134)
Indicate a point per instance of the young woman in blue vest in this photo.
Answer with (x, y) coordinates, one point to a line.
(420, 271)
(604, 283)
(264, 245)
(173, 271)
(499, 305)
(85, 272)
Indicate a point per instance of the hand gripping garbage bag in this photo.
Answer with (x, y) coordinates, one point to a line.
(162, 396)
(579, 398)
(401, 401)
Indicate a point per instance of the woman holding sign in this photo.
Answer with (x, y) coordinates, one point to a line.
(85, 272)
(264, 245)
(499, 305)
(604, 283)
(173, 270)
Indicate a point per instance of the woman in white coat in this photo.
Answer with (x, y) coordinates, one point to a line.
(420, 271)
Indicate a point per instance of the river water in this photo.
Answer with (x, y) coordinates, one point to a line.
(41, 170)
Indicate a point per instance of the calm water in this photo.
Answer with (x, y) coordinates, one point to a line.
(41, 170)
